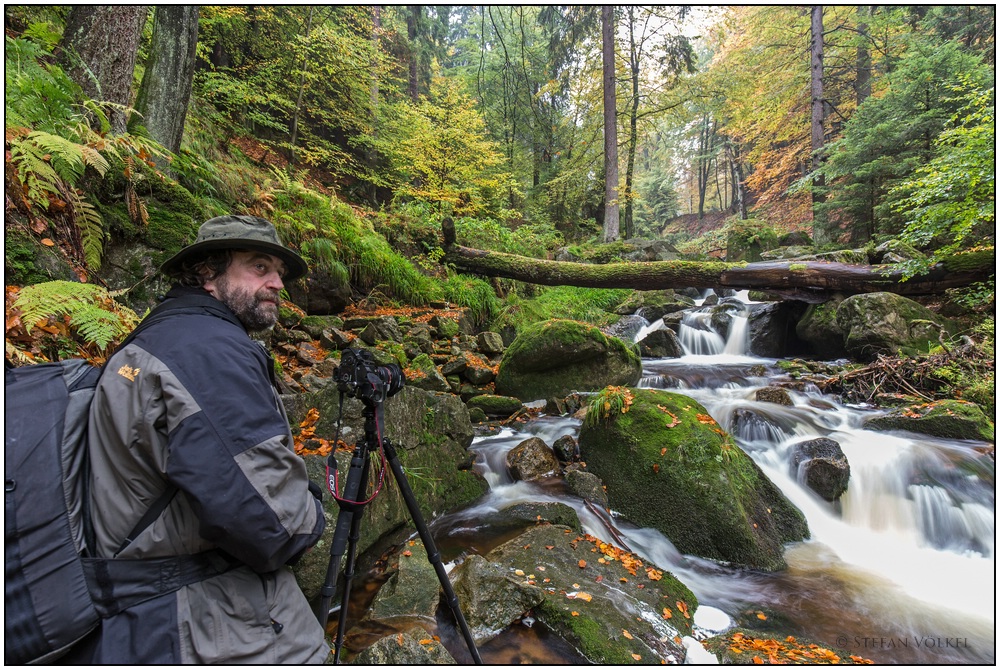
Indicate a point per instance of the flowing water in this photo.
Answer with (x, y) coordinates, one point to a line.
(900, 570)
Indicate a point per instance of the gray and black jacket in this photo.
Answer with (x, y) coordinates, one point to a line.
(190, 403)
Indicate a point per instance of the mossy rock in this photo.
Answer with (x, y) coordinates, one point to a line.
(951, 419)
(169, 230)
(819, 329)
(667, 465)
(741, 646)
(615, 615)
(886, 323)
(495, 405)
(27, 261)
(556, 357)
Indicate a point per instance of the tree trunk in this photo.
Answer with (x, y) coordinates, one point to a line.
(294, 135)
(611, 223)
(810, 281)
(371, 157)
(98, 51)
(633, 128)
(162, 102)
(820, 234)
(863, 65)
(412, 21)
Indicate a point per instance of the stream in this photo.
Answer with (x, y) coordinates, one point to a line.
(899, 570)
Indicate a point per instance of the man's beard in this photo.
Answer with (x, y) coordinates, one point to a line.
(253, 311)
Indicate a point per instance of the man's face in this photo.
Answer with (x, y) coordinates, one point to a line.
(250, 287)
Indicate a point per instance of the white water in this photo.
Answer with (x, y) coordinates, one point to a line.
(901, 570)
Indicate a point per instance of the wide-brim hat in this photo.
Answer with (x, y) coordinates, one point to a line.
(239, 232)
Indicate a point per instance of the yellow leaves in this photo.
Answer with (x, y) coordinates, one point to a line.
(789, 650)
(761, 616)
(628, 635)
(653, 574)
(574, 613)
(683, 609)
(580, 595)
(637, 657)
(47, 242)
(706, 419)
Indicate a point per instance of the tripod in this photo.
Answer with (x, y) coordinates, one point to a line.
(348, 530)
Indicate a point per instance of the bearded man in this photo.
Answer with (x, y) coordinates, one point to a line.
(192, 457)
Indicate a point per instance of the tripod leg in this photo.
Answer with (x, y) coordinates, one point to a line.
(432, 553)
(357, 476)
(352, 548)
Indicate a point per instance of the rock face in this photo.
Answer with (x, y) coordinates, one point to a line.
(821, 465)
(431, 433)
(954, 419)
(886, 323)
(819, 329)
(408, 648)
(661, 343)
(553, 358)
(772, 328)
(668, 465)
(491, 597)
(412, 590)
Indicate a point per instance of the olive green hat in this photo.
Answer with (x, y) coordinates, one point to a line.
(238, 232)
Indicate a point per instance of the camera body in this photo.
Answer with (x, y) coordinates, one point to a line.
(361, 377)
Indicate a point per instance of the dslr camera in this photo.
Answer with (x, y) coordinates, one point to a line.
(361, 377)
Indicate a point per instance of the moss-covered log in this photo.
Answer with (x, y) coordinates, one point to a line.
(811, 281)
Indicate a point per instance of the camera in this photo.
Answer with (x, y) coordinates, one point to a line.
(361, 377)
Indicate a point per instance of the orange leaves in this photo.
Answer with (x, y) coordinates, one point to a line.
(706, 419)
(683, 609)
(628, 635)
(306, 443)
(674, 420)
(582, 563)
(667, 613)
(653, 574)
(766, 650)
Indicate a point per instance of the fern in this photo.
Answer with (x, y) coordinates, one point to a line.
(91, 228)
(92, 311)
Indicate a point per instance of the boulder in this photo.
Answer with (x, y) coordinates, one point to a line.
(566, 448)
(652, 305)
(491, 597)
(668, 465)
(556, 357)
(773, 394)
(588, 486)
(614, 610)
(661, 343)
(498, 406)
(627, 327)
(532, 459)
(412, 589)
(821, 465)
(772, 328)
(819, 329)
(886, 323)
(522, 515)
(951, 419)
(795, 238)
(410, 647)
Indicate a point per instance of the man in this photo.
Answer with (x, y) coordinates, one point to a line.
(189, 408)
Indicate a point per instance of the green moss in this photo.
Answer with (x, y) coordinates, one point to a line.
(795, 267)
(951, 419)
(587, 634)
(495, 405)
(973, 260)
(710, 498)
(169, 229)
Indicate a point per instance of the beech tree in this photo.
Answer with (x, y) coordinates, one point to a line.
(611, 216)
(162, 101)
(98, 51)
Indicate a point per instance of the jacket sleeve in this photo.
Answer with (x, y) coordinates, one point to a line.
(234, 458)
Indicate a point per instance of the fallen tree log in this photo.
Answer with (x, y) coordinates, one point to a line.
(810, 281)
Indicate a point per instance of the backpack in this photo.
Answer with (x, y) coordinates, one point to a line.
(55, 591)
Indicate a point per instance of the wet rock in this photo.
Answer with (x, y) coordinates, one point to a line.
(772, 328)
(821, 465)
(619, 609)
(491, 597)
(412, 590)
(819, 329)
(627, 327)
(405, 649)
(566, 448)
(523, 515)
(495, 405)
(532, 459)
(556, 357)
(477, 415)
(775, 395)
(754, 426)
(478, 375)
(334, 338)
(424, 375)
(661, 343)
(588, 486)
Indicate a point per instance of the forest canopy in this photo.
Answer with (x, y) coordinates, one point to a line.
(359, 129)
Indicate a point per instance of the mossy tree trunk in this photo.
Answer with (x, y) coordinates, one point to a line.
(810, 281)
(163, 97)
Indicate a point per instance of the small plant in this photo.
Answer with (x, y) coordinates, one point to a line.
(611, 402)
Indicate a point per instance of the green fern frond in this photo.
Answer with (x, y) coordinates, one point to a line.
(93, 313)
(324, 254)
(91, 227)
(66, 156)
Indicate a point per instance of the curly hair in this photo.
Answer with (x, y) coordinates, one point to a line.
(196, 271)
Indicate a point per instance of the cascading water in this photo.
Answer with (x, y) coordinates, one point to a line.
(900, 570)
